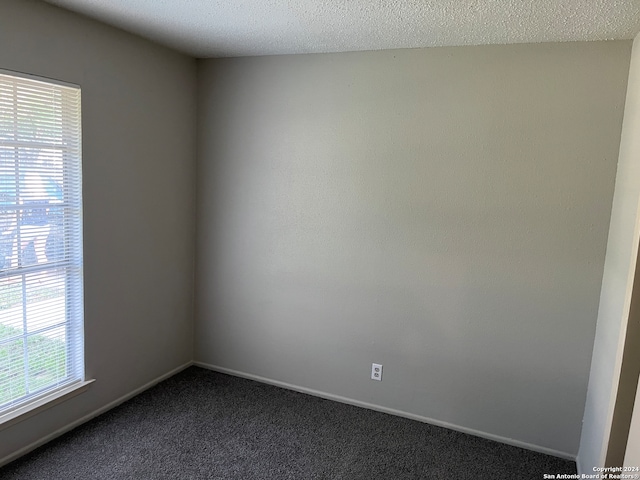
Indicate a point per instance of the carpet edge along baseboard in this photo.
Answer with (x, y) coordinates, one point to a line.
(76, 423)
(391, 411)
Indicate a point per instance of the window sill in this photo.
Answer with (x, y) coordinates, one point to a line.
(42, 403)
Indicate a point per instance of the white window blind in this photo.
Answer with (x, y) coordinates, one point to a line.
(41, 298)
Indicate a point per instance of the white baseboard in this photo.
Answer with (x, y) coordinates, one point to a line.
(15, 455)
(309, 391)
(392, 411)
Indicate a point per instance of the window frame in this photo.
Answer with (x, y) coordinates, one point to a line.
(75, 382)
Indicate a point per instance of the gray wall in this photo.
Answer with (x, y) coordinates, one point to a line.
(138, 104)
(443, 212)
(615, 301)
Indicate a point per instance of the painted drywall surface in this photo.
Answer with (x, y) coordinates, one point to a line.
(617, 283)
(138, 105)
(628, 373)
(443, 212)
(632, 456)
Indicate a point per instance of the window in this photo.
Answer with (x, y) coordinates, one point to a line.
(41, 300)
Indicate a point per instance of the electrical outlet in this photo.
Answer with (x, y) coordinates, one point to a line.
(376, 371)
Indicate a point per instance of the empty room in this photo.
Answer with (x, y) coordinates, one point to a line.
(329, 240)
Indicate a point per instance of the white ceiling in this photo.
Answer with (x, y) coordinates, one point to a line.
(227, 28)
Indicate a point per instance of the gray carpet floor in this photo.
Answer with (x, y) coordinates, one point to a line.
(205, 425)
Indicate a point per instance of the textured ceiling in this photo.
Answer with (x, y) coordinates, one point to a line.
(224, 28)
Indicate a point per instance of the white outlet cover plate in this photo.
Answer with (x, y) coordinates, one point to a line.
(376, 371)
